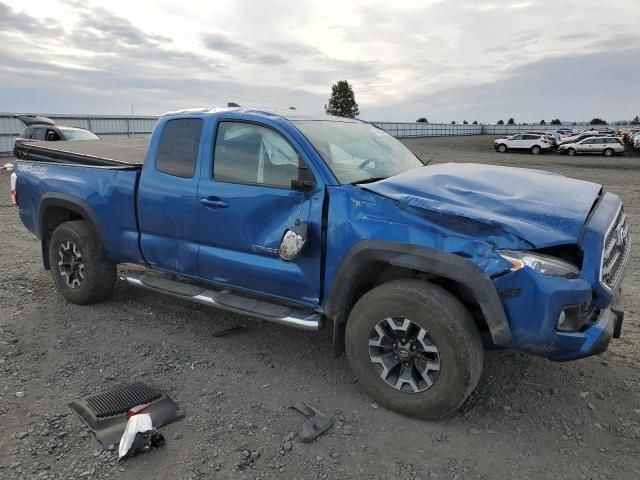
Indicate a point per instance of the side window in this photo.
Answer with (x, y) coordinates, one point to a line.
(38, 133)
(516, 137)
(52, 136)
(247, 153)
(26, 133)
(178, 148)
(531, 137)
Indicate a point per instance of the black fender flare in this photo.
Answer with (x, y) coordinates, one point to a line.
(422, 259)
(69, 202)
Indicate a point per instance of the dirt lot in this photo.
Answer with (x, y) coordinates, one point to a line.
(529, 418)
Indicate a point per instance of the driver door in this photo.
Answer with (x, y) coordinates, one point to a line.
(245, 205)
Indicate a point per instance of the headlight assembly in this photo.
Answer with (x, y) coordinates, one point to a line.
(543, 264)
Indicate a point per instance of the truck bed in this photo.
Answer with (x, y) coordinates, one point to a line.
(121, 153)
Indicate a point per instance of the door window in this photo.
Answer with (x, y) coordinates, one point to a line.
(252, 154)
(38, 134)
(178, 148)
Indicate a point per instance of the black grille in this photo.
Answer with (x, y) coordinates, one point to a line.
(615, 254)
(120, 399)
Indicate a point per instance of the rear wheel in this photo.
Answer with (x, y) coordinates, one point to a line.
(415, 348)
(502, 148)
(572, 151)
(80, 268)
(535, 149)
(608, 152)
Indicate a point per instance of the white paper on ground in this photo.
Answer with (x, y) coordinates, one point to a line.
(136, 424)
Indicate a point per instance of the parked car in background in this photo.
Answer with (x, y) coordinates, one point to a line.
(45, 129)
(535, 143)
(636, 141)
(607, 146)
(578, 137)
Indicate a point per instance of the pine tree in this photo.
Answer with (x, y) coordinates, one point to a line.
(343, 101)
(556, 121)
(636, 121)
(511, 121)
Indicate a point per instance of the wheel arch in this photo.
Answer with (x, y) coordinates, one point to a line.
(373, 262)
(57, 208)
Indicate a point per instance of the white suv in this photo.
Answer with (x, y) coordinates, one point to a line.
(523, 141)
(607, 146)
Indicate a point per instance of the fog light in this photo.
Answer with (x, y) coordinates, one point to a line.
(575, 318)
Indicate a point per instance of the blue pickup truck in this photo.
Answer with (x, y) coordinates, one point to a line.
(317, 222)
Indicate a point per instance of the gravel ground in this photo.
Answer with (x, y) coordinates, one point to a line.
(529, 418)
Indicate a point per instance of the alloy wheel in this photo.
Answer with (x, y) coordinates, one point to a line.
(405, 355)
(71, 264)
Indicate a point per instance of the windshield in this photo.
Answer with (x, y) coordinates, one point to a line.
(357, 152)
(70, 134)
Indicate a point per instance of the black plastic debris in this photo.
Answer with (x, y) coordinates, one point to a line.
(105, 413)
(317, 422)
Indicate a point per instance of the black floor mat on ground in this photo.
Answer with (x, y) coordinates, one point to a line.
(105, 413)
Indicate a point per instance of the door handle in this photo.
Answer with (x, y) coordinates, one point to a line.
(213, 202)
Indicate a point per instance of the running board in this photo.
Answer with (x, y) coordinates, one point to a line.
(226, 300)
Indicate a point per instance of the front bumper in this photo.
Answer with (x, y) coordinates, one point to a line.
(533, 304)
(595, 339)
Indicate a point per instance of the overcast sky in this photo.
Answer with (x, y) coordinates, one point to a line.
(443, 59)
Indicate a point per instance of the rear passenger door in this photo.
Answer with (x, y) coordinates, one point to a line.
(245, 205)
(167, 205)
(586, 146)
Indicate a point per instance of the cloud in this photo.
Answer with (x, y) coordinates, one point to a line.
(439, 59)
(220, 43)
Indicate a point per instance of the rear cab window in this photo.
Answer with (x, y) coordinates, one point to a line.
(178, 147)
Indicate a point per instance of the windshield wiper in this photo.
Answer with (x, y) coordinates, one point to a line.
(369, 180)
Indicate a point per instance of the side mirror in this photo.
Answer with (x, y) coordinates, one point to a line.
(293, 241)
(305, 180)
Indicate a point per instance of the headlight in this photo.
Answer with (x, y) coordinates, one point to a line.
(544, 264)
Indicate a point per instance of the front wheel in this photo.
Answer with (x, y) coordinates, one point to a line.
(81, 270)
(502, 148)
(414, 348)
(572, 152)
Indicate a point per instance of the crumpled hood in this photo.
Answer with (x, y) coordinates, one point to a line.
(539, 207)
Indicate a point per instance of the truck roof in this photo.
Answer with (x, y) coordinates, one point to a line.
(287, 114)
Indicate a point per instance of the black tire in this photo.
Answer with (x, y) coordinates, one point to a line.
(98, 271)
(535, 150)
(572, 152)
(451, 329)
(502, 148)
(608, 152)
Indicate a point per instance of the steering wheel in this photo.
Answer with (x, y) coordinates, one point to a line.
(366, 162)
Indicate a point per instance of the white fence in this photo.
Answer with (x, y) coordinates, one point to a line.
(123, 126)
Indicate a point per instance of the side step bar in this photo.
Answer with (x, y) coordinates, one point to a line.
(226, 300)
